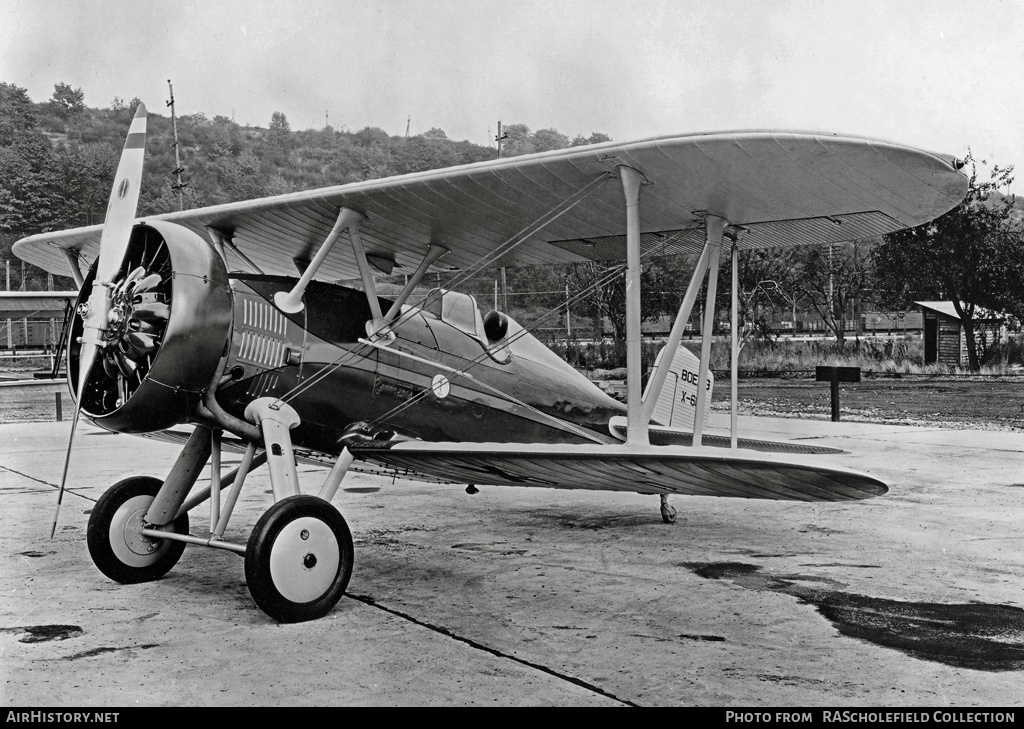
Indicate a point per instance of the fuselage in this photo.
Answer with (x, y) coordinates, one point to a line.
(439, 379)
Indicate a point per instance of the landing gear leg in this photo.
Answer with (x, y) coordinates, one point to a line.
(668, 512)
(298, 560)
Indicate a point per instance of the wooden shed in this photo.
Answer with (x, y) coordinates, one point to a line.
(945, 341)
(32, 319)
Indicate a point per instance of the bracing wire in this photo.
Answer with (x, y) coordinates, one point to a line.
(524, 234)
(511, 243)
(398, 409)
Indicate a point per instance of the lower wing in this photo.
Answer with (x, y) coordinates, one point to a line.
(697, 471)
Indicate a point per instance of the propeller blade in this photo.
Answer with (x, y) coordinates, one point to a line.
(124, 198)
(64, 475)
(117, 229)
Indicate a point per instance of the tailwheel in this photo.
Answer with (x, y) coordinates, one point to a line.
(116, 543)
(299, 559)
(668, 512)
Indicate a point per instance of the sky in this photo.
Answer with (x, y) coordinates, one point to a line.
(940, 75)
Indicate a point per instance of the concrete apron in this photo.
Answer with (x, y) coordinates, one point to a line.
(519, 596)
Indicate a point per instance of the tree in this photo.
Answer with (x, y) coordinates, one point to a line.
(279, 124)
(29, 198)
(595, 138)
(517, 140)
(17, 117)
(548, 139)
(68, 101)
(973, 256)
(520, 140)
(422, 153)
(602, 289)
(83, 177)
(243, 177)
(766, 289)
(833, 279)
(279, 140)
(372, 136)
(125, 109)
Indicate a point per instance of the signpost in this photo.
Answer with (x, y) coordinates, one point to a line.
(835, 375)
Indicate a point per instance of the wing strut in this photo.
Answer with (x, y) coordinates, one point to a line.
(636, 425)
(707, 264)
(434, 252)
(291, 302)
(713, 228)
(76, 271)
(675, 335)
(222, 239)
(734, 350)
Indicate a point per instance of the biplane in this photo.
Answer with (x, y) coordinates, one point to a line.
(229, 321)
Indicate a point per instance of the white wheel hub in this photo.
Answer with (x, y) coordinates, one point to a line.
(126, 539)
(304, 559)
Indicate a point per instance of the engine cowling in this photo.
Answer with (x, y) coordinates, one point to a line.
(168, 326)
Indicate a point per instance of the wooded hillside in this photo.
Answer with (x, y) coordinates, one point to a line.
(58, 158)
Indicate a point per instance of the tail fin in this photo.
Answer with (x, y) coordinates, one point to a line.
(677, 402)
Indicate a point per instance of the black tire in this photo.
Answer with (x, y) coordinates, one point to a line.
(299, 559)
(115, 539)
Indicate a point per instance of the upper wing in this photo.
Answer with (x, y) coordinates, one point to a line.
(781, 188)
(652, 470)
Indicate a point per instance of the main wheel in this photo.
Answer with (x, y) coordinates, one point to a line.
(299, 559)
(115, 539)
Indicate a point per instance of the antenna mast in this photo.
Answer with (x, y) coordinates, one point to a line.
(178, 169)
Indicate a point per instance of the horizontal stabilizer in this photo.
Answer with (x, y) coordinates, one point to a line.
(662, 436)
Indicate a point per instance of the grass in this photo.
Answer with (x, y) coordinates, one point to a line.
(23, 364)
(882, 356)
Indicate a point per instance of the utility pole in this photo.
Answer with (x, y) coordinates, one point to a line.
(408, 121)
(831, 287)
(178, 169)
(500, 137)
(568, 321)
